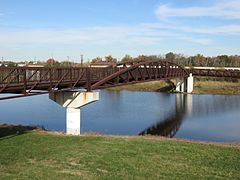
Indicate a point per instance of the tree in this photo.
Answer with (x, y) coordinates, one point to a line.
(97, 59)
(67, 64)
(109, 58)
(181, 60)
(127, 58)
(143, 58)
(225, 60)
(235, 61)
(200, 60)
(11, 64)
(170, 57)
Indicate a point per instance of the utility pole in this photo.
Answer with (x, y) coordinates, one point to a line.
(81, 60)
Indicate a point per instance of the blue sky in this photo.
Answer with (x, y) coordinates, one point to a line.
(38, 29)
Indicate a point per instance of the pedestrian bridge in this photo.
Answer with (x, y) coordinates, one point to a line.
(27, 81)
(73, 87)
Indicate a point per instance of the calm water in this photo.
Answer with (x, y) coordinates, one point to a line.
(198, 117)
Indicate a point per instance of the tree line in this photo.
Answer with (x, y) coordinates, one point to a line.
(180, 59)
(197, 60)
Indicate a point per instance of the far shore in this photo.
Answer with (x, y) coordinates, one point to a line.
(201, 86)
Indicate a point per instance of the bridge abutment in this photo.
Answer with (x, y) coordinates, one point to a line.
(73, 101)
(185, 84)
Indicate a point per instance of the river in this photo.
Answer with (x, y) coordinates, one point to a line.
(196, 117)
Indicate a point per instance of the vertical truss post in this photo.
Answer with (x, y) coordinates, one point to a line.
(71, 76)
(25, 80)
(50, 78)
(88, 75)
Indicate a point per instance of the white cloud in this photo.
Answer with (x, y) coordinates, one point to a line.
(201, 41)
(101, 35)
(225, 9)
(231, 29)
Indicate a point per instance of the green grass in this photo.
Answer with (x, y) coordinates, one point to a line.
(201, 86)
(216, 87)
(145, 86)
(37, 155)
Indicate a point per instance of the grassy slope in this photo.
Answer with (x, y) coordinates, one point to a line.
(46, 156)
(200, 87)
(146, 86)
(217, 87)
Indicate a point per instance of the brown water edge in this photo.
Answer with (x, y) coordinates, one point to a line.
(9, 130)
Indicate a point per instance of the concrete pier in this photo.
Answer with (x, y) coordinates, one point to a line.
(185, 84)
(73, 101)
(190, 83)
(178, 84)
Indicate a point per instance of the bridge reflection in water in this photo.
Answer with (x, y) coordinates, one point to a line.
(197, 117)
(172, 123)
(200, 109)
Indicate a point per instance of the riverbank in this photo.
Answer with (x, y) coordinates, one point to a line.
(201, 86)
(216, 87)
(43, 155)
(145, 86)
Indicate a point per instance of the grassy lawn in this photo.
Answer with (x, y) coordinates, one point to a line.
(36, 155)
(145, 86)
(216, 87)
(201, 86)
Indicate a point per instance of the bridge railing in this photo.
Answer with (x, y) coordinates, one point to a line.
(20, 75)
(227, 73)
(26, 78)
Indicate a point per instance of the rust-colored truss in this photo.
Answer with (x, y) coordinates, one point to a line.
(27, 81)
(227, 73)
(141, 72)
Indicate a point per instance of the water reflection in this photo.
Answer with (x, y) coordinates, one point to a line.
(199, 117)
(171, 124)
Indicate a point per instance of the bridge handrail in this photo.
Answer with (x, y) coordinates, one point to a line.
(134, 66)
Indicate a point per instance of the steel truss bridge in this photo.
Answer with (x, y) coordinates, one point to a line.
(28, 81)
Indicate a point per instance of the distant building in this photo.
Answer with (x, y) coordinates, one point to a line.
(35, 65)
(21, 65)
(102, 64)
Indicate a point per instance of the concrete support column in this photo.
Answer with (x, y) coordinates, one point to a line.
(182, 88)
(178, 84)
(72, 101)
(190, 83)
(73, 121)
